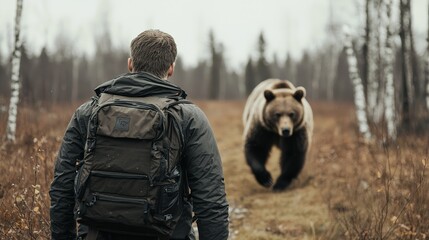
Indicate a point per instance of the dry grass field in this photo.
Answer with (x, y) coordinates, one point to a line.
(348, 189)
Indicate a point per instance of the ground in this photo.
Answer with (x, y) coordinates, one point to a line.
(347, 189)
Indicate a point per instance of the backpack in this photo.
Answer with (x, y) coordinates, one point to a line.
(130, 178)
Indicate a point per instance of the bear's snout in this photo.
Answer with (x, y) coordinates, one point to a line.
(286, 132)
(285, 126)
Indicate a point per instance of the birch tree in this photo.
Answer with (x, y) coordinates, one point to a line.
(15, 85)
(382, 56)
(359, 95)
(375, 58)
(372, 36)
(389, 99)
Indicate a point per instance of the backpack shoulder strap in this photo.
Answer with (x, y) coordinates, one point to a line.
(104, 97)
(181, 101)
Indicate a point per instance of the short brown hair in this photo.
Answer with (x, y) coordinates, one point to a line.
(153, 51)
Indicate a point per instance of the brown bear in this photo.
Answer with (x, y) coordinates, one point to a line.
(277, 113)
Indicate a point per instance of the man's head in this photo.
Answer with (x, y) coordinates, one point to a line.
(154, 52)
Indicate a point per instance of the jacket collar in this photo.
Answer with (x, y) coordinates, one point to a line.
(140, 84)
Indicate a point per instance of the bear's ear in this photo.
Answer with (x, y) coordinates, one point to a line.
(299, 93)
(269, 95)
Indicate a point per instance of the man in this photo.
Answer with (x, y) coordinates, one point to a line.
(153, 54)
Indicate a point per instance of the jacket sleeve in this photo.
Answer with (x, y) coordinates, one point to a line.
(205, 177)
(63, 225)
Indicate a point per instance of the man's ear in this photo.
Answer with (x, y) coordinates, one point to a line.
(130, 65)
(170, 70)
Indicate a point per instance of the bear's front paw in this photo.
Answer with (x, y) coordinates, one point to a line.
(281, 185)
(264, 178)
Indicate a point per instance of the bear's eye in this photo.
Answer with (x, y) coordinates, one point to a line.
(292, 115)
(278, 115)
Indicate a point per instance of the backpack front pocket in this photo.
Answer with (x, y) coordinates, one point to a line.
(116, 209)
(168, 204)
(127, 184)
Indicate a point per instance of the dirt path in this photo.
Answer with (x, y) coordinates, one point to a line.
(257, 213)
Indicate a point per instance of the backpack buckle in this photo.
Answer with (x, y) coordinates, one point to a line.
(168, 217)
(92, 202)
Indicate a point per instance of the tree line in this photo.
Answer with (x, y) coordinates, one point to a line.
(62, 76)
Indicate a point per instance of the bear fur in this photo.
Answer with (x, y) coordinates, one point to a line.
(277, 114)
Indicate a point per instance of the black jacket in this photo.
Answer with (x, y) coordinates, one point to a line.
(202, 163)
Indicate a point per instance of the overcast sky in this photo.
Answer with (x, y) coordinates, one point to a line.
(288, 25)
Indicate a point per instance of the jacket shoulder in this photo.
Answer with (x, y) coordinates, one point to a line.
(85, 109)
(191, 110)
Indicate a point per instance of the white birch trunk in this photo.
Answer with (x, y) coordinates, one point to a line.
(359, 95)
(15, 85)
(372, 60)
(381, 26)
(389, 100)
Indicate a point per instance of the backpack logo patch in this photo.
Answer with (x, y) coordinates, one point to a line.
(122, 124)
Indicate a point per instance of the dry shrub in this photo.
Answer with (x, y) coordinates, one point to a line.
(26, 170)
(384, 195)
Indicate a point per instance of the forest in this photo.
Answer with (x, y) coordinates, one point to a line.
(366, 176)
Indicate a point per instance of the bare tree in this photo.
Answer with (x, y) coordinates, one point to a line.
(305, 73)
(290, 68)
(179, 76)
(4, 85)
(216, 51)
(262, 67)
(407, 70)
(359, 95)
(75, 79)
(427, 67)
(44, 75)
(329, 62)
(343, 85)
(249, 77)
(16, 58)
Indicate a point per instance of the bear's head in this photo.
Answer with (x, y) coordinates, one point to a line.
(284, 110)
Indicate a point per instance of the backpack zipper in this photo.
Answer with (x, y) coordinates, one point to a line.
(98, 173)
(110, 198)
(116, 199)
